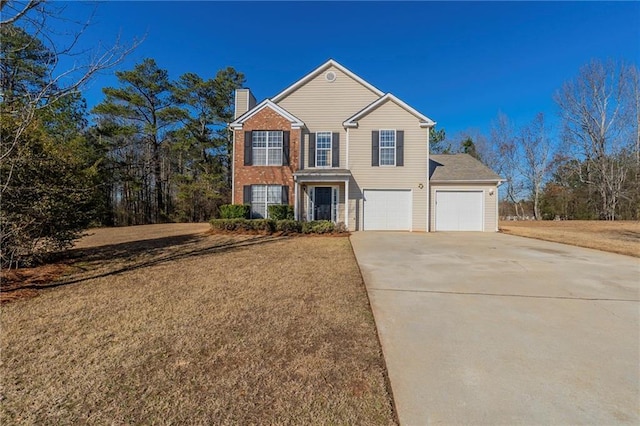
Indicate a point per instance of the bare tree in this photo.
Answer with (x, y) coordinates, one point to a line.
(596, 111)
(635, 94)
(504, 154)
(535, 151)
(42, 68)
(31, 19)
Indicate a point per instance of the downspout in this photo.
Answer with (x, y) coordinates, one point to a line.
(347, 156)
(346, 186)
(233, 168)
(428, 185)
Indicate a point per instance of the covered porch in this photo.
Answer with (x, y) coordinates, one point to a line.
(322, 194)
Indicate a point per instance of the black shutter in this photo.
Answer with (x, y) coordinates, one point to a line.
(400, 148)
(335, 150)
(246, 196)
(248, 145)
(375, 148)
(285, 195)
(285, 148)
(312, 149)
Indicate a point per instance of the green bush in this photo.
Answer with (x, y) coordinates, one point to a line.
(289, 226)
(235, 211)
(318, 227)
(281, 212)
(269, 226)
(260, 225)
(265, 225)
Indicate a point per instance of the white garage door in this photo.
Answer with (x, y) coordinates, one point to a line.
(387, 210)
(459, 211)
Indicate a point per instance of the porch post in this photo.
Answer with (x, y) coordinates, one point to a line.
(295, 200)
(346, 203)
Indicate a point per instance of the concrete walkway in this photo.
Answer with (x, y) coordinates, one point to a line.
(496, 329)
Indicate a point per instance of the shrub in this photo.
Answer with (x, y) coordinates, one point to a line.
(265, 225)
(341, 227)
(260, 225)
(318, 227)
(269, 226)
(281, 212)
(289, 226)
(235, 211)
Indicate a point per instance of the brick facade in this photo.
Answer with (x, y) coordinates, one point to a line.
(266, 119)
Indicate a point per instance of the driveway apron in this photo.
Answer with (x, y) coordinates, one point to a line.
(483, 328)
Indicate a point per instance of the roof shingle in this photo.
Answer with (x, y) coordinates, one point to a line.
(459, 167)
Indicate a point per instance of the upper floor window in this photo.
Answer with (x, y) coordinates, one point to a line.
(387, 147)
(323, 149)
(266, 146)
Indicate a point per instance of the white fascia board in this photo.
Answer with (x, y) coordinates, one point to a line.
(317, 71)
(498, 181)
(296, 123)
(353, 120)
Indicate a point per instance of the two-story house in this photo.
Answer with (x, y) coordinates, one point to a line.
(337, 148)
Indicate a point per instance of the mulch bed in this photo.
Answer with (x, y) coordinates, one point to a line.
(21, 283)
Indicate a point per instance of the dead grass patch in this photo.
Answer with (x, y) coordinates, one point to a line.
(199, 330)
(621, 237)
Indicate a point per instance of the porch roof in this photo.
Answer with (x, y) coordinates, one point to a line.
(309, 175)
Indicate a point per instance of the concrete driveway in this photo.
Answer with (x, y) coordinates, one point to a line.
(480, 328)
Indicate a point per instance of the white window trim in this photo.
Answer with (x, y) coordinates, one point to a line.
(335, 201)
(266, 199)
(311, 190)
(395, 147)
(266, 148)
(330, 150)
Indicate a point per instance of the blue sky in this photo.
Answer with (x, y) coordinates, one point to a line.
(458, 63)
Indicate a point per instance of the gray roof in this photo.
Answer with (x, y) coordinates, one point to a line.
(322, 175)
(323, 172)
(459, 167)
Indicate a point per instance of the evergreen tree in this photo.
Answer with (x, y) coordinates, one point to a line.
(144, 104)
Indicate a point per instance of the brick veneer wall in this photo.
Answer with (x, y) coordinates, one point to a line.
(267, 119)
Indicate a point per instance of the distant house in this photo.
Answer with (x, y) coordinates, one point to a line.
(337, 148)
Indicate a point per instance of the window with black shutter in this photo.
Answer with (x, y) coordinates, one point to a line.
(375, 148)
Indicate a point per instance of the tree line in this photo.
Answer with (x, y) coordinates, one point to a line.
(157, 150)
(588, 167)
(165, 147)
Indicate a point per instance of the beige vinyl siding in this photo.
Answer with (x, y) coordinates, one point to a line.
(489, 201)
(324, 106)
(410, 176)
(242, 102)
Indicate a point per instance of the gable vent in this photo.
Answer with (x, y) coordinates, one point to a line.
(330, 76)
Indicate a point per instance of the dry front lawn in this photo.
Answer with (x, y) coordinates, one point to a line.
(618, 237)
(197, 329)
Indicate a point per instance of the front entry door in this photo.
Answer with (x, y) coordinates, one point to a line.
(322, 208)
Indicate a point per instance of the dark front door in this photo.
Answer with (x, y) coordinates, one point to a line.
(322, 209)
